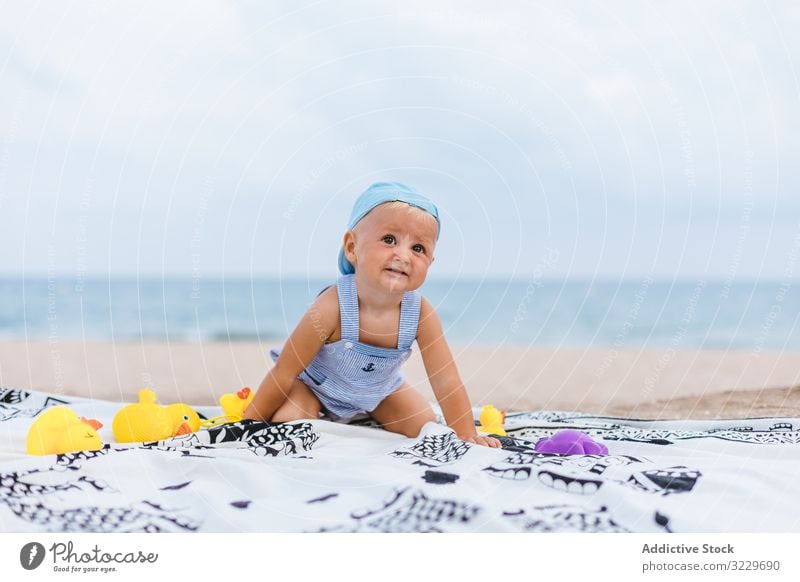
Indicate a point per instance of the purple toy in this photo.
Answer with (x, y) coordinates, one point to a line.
(571, 442)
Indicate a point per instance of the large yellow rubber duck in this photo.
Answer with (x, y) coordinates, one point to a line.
(148, 421)
(59, 430)
(492, 421)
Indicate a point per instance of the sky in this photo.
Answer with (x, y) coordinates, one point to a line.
(578, 139)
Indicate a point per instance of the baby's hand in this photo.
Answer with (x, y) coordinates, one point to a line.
(477, 439)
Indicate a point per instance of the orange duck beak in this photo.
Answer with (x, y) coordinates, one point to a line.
(95, 424)
(184, 428)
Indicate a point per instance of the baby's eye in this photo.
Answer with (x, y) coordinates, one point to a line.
(418, 249)
(389, 239)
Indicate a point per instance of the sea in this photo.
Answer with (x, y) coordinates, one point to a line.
(627, 313)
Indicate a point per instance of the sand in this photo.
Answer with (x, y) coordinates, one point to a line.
(635, 383)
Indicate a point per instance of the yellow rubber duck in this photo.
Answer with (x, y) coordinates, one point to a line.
(148, 421)
(233, 405)
(59, 430)
(492, 420)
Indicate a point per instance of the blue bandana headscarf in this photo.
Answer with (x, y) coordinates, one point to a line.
(379, 193)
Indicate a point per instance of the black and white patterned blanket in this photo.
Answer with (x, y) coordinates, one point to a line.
(660, 476)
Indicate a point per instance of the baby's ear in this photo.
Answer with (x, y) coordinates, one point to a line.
(349, 245)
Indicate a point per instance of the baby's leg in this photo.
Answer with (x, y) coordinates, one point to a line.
(404, 411)
(301, 403)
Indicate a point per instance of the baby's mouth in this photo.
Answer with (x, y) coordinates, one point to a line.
(397, 271)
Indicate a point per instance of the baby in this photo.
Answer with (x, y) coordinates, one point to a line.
(344, 356)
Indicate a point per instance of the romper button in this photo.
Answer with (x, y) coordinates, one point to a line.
(348, 345)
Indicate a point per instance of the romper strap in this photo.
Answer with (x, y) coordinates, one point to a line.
(409, 320)
(348, 306)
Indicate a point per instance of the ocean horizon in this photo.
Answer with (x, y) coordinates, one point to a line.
(644, 312)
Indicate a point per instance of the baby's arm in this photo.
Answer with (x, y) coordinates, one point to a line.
(444, 378)
(316, 326)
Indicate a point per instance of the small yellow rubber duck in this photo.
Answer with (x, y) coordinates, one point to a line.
(492, 420)
(148, 421)
(233, 405)
(59, 430)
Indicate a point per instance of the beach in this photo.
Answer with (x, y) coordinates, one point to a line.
(653, 383)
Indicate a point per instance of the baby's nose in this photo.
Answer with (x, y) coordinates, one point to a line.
(402, 253)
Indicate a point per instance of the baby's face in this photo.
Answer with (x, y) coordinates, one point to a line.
(392, 247)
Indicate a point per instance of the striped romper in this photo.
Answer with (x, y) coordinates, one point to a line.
(349, 377)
